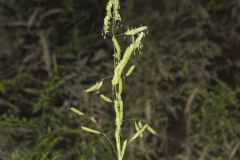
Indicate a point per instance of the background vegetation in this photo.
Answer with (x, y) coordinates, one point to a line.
(186, 84)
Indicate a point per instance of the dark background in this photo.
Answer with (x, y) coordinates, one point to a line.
(185, 85)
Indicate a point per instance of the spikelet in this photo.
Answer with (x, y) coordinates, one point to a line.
(120, 111)
(137, 43)
(105, 98)
(127, 55)
(151, 130)
(86, 129)
(116, 8)
(118, 142)
(129, 72)
(108, 16)
(120, 87)
(136, 126)
(112, 11)
(117, 47)
(118, 127)
(95, 87)
(106, 24)
(109, 8)
(117, 76)
(135, 31)
(116, 4)
(99, 85)
(92, 88)
(138, 133)
(116, 105)
(124, 147)
(75, 110)
(140, 126)
(118, 70)
(93, 120)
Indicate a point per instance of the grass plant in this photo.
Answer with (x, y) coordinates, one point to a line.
(112, 23)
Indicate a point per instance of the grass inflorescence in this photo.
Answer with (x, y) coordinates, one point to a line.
(111, 22)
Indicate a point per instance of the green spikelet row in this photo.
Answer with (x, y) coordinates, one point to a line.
(112, 14)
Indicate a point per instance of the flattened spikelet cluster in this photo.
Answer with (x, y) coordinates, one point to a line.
(108, 16)
(135, 31)
(117, 16)
(112, 13)
(127, 55)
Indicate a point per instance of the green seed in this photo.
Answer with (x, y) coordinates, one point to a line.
(135, 31)
(95, 87)
(129, 72)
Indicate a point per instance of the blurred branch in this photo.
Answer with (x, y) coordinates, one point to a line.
(12, 106)
(46, 52)
(33, 20)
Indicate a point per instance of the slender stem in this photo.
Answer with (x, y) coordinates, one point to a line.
(103, 133)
